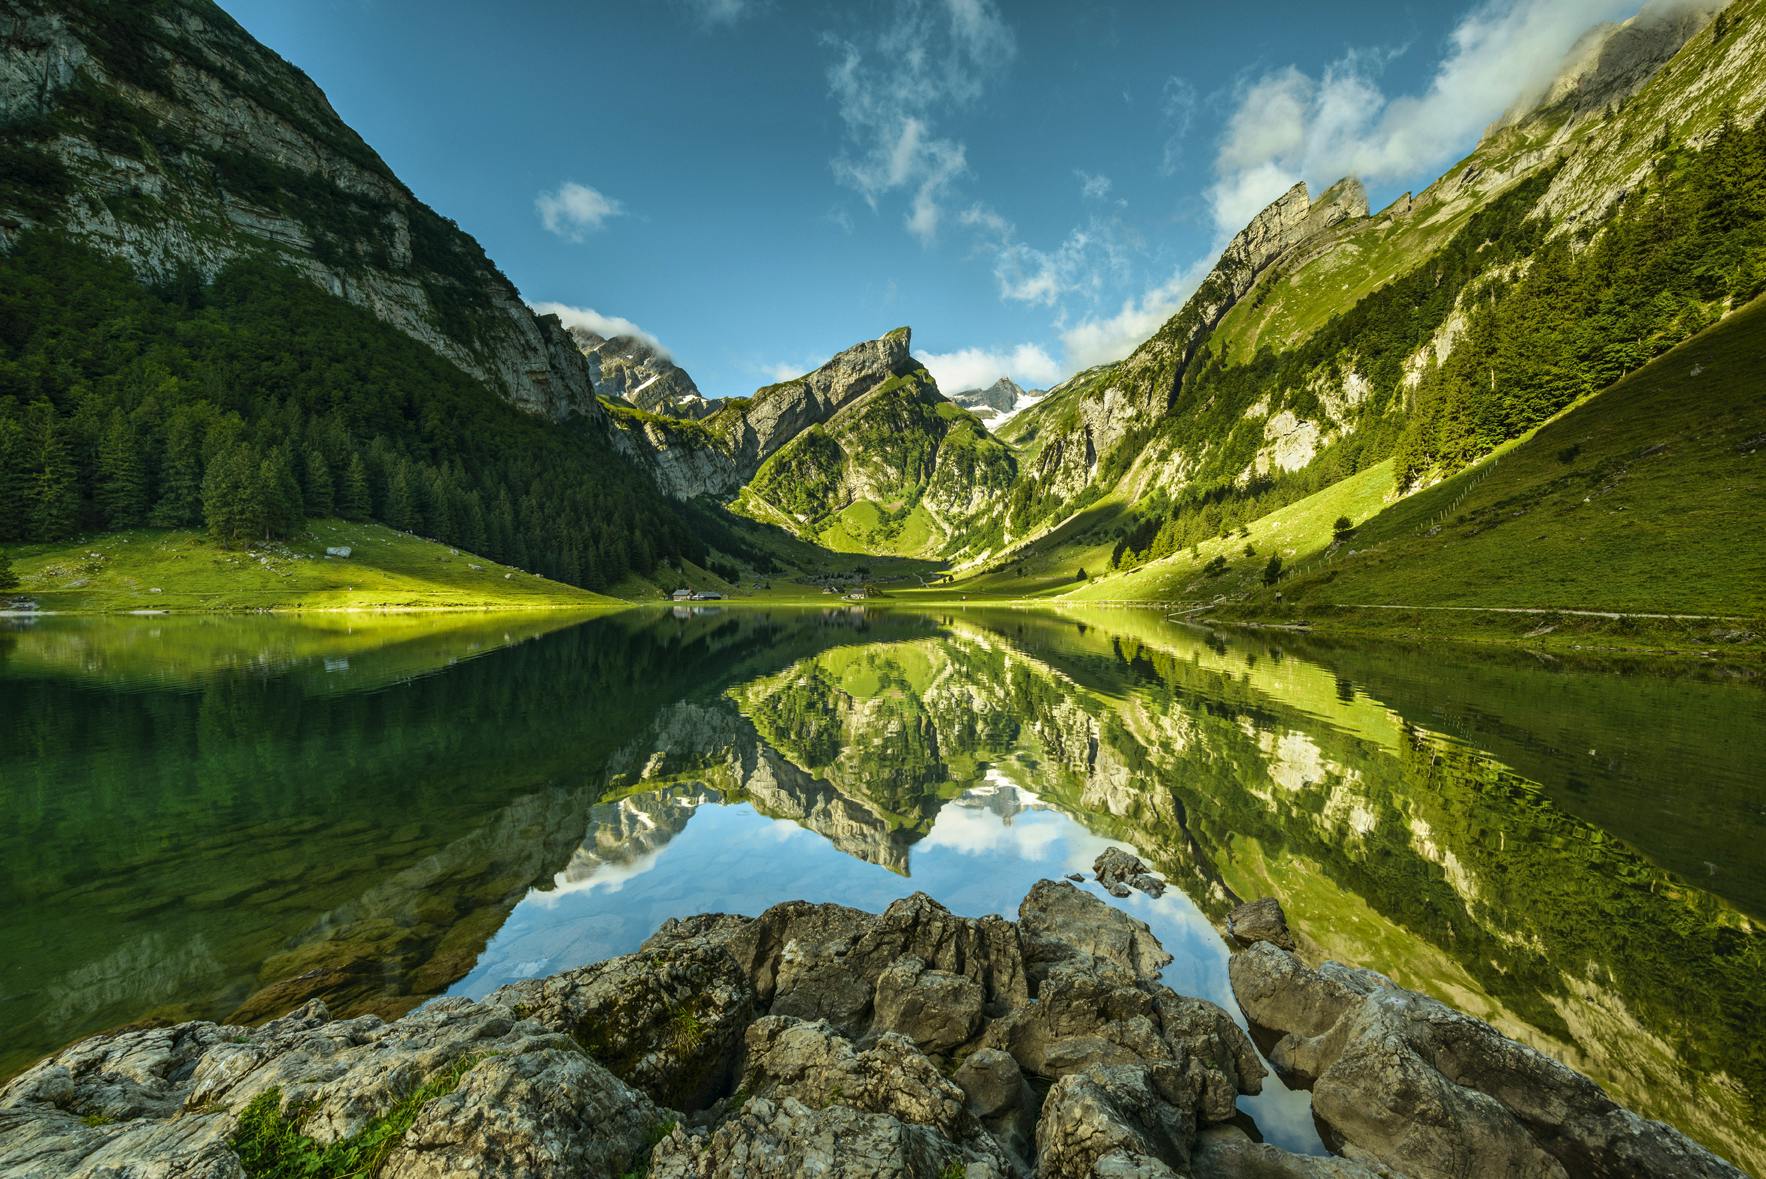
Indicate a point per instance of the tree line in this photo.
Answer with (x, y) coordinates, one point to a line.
(251, 403)
(1587, 309)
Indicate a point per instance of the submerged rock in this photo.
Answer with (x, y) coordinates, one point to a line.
(1402, 1080)
(1260, 921)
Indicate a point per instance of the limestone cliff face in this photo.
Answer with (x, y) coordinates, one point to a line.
(1103, 408)
(633, 371)
(170, 138)
(717, 456)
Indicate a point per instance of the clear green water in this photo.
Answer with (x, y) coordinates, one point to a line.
(220, 818)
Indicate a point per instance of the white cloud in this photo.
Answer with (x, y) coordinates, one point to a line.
(602, 325)
(1290, 125)
(974, 368)
(891, 86)
(573, 210)
(1099, 340)
(777, 372)
(1076, 267)
(1177, 110)
(1092, 186)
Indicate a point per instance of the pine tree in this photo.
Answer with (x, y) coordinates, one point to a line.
(55, 494)
(15, 482)
(472, 524)
(355, 502)
(233, 497)
(122, 475)
(8, 578)
(401, 499)
(439, 516)
(180, 478)
(284, 510)
(319, 494)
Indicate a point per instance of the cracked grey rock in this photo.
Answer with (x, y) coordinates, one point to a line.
(1400, 1079)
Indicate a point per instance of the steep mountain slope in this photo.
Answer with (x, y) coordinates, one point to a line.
(1640, 499)
(222, 310)
(901, 471)
(162, 133)
(631, 370)
(1086, 433)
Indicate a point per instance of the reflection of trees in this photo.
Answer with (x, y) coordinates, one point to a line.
(287, 826)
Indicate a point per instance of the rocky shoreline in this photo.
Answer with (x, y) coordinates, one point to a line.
(818, 1039)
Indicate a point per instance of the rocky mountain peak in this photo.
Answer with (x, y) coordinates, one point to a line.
(1000, 396)
(750, 430)
(1289, 220)
(637, 372)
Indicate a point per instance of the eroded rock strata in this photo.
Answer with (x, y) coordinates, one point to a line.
(821, 1039)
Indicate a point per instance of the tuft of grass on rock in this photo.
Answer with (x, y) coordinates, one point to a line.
(270, 1143)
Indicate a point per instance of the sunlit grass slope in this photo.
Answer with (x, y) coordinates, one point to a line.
(1645, 498)
(174, 570)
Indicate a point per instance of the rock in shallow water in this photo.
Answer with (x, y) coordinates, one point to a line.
(1260, 921)
(1119, 870)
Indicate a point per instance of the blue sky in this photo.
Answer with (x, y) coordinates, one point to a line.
(1033, 187)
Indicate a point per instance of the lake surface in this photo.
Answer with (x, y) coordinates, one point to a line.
(222, 817)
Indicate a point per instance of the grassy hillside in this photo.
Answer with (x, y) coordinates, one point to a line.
(179, 570)
(1644, 498)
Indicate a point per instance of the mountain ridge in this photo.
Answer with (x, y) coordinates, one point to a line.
(139, 111)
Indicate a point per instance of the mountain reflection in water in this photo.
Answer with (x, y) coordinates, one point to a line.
(379, 818)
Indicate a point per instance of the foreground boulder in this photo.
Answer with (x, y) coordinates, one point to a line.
(1401, 1080)
(476, 1091)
